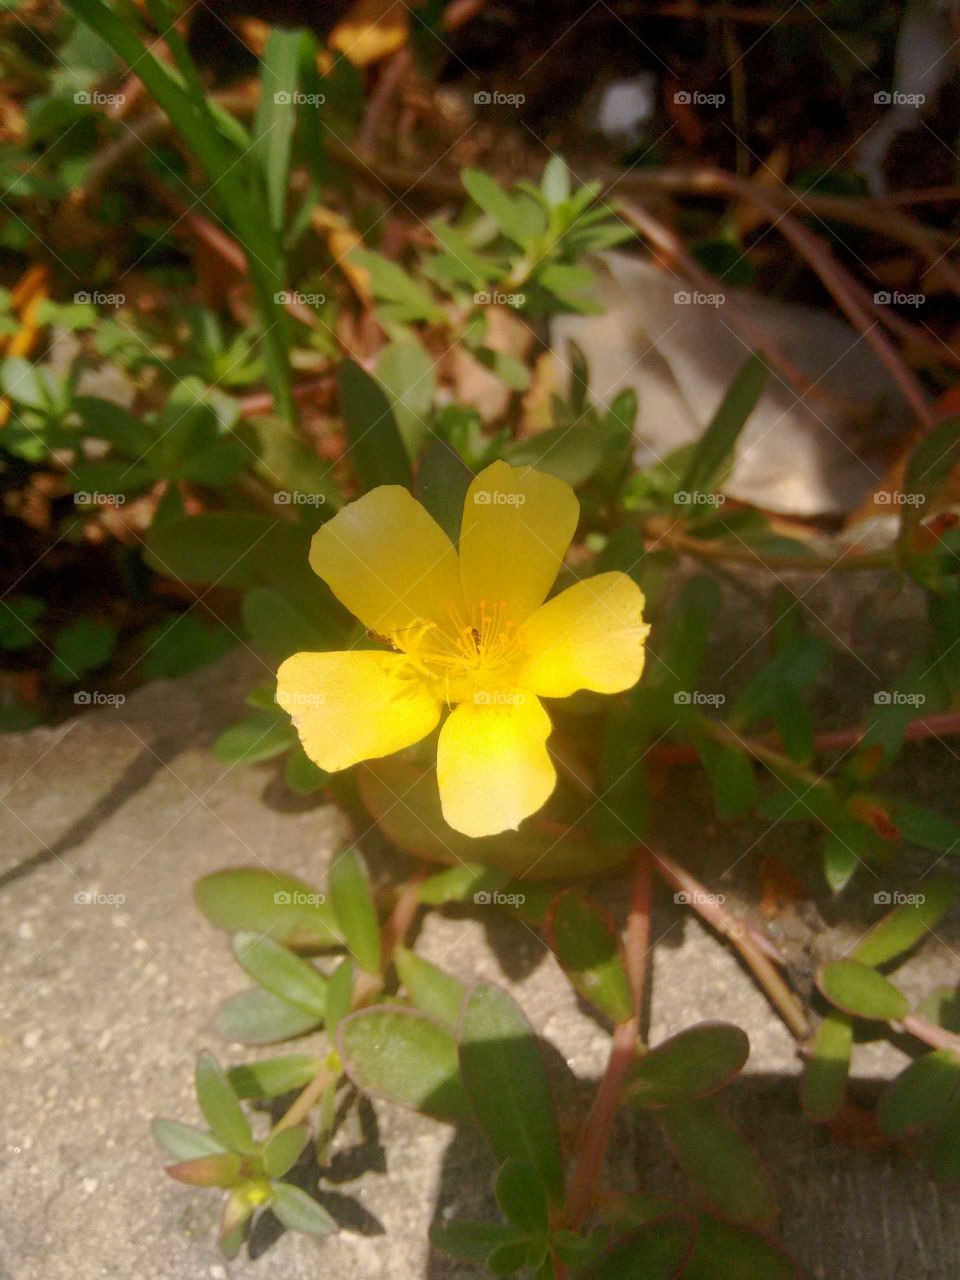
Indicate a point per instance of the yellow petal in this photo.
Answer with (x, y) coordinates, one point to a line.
(517, 525)
(590, 636)
(492, 765)
(371, 30)
(388, 561)
(355, 706)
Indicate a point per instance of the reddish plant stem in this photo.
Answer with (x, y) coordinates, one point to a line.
(707, 906)
(598, 1126)
(943, 724)
(930, 1033)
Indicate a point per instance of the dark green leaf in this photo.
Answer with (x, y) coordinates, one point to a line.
(220, 1106)
(403, 1056)
(473, 1241)
(857, 989)
(257, 1017)
(354, 910)
(945, 1148)
(907, 924)
(17, 616)
(184, 645)
(695, 1062)
(276, 118)
(743, 1254)
(283, 1149)
(520, 218)
(823, 1086)
(505, 1079)
(714, 451)
(583, 937)
(443, 479)
(339, 995)
(434, 992)
(281, 972)
(302, 775)
(376, 448)
(459, 884)
(184, 1142)
(299, 1211)
(719, 1162)
(277, 627)
(928, 829)
(81, 647)
(258, 737)
(250, 898)
(919, 1093)
(271, 1077)
(572, 453)
(406, 373)
(657, 1251)
(522, 1197)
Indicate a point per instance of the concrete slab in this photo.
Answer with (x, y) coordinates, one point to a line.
(108, 997)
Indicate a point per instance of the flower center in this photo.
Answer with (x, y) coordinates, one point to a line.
(475, 655)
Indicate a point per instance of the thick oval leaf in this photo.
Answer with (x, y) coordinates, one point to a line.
(281, 972)
(522, 1196)
(257, 1017)
(299, 1211)
(919, 1093)
(506, 1081)
(658, 1251)
(714, 450)
(695, 1062)
(855, 988)
(516, 1255)
(283, 1149)
(945, 1148)
(906, 925)
(540, 850)
(719, 1161)
(258, 737)
(271, 1077)
(183, 1141)
(473, 1241)
(249, 898)
(217, 549)
(459, 884)
(583, 938)
(744, 1254)
(406, 372)
(354, 910)
(403, 1056)
(443, 479)
(220, 1106)
(434, 992)
(339, 995)
(823, 1086)
(208, 1171)
(376, 448)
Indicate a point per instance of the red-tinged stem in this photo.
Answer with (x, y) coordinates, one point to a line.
(708, 906)
(943, 724)
(930, 1033)
(588, 1175)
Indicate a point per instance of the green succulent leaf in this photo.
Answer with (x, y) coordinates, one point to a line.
(255, 900)
(695, 1062)
(221, 1107)
(354, 910)
(823, 1086)
(281, 972)
(859, 990)
(584, 940)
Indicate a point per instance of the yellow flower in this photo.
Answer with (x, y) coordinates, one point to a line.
(468, 629)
